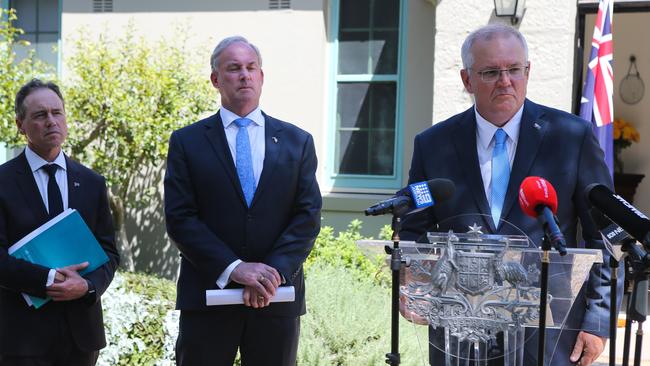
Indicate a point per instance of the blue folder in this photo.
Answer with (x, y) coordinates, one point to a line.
(60, 242)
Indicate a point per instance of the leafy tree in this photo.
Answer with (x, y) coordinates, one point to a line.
(13, 74)
(124, 97)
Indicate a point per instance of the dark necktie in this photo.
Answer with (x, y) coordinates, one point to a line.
(54, 200)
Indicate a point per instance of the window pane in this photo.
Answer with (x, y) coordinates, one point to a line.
(354, 14)
(384, 52)
(48, 16)
(386, 14)
(366, 115)
(352, 108)
(26, 12)
(353, 53)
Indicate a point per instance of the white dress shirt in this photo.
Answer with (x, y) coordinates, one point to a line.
(485, 144)
(40, 176)
(258, 144)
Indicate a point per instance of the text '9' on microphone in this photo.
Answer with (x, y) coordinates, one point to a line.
(415, 197)
(538, 199)
(617, 209)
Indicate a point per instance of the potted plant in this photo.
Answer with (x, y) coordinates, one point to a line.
(625, 134)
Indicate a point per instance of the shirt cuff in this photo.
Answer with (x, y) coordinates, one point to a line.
(50, 277)
(224, 279)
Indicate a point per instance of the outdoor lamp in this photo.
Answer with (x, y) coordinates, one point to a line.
(510, 8)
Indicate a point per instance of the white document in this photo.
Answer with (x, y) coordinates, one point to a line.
(234, 296)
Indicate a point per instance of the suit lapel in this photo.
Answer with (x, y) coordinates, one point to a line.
(273, 142)
(29, 189)
(74, 184)
(465, 142)
(217, 138)
(531, 134)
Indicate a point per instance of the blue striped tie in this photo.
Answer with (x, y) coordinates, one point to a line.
(500, 175)
(244, 161)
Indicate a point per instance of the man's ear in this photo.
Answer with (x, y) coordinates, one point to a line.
(19, 124)
(214, 77)
(464, 75)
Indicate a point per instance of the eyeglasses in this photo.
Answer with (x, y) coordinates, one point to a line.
(514, 73)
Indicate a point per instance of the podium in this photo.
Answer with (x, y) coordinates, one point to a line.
(479, 293)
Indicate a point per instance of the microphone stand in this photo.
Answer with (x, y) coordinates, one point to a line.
(546, 260)
(396, 262)
(613, 265)
(638, 306)
(628, 321)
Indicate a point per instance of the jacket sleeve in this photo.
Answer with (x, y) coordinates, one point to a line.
(293, 246)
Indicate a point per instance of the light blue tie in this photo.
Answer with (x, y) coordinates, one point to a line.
(244, 161)
(500, 175)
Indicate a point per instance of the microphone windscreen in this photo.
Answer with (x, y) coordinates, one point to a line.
(535, 192)
(441, 189)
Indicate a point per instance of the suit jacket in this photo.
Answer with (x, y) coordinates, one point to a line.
(208, 219)
(552, 144)
(23, 329)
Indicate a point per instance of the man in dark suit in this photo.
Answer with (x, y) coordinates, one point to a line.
(37, 185)
(243, 206)
(536, 141)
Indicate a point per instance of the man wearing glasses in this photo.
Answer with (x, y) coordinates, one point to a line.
(489, 149)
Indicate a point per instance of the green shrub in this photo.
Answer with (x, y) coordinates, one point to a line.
(341, 251)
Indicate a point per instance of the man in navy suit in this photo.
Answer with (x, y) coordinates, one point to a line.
(36, 186)
(243, 206)
(539, 141)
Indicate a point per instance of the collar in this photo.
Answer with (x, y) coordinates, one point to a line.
(36, 162)
(228, 117)
(485, 130)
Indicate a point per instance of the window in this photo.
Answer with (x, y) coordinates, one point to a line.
(40, 19)
(365, 109)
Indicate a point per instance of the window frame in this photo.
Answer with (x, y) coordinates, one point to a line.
(361, 182)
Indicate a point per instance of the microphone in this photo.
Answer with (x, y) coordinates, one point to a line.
(620, 211)
(414, 197)
(538, 199)
(615, 238)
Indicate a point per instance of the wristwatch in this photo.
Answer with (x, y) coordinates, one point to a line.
(89, 298)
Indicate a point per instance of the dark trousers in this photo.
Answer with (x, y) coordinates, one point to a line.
(63, 352)
(208, 338)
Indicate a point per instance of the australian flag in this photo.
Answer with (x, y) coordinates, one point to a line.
(597, 105)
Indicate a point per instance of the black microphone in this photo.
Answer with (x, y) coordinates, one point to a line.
(414, 197)
(615, 238)
(620, 211)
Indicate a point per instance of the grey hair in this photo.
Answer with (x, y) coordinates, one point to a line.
(225, 43)
(486, 33)
(27, 89)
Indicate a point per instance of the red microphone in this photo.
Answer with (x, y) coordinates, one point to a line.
(538, 199)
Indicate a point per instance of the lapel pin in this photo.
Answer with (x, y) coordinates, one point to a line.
(76, 184)
(537, 126)
(275, 139)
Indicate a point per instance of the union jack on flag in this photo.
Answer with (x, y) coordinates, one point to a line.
(597, 105)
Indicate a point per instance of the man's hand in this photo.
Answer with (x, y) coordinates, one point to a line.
(259, 279)
(73, 285)
(588, 346)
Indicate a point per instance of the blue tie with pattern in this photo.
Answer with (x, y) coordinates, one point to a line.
(500, 175)
(244, 161)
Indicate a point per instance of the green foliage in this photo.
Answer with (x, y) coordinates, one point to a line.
(138, 310)
(341, 251)
(126, 95)
(386, 233)
(13, 74)
(348, 322)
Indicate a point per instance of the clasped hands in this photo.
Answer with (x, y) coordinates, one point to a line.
(260, 283)
(68, 283)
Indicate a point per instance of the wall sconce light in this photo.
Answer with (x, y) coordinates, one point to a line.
(510, 8)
